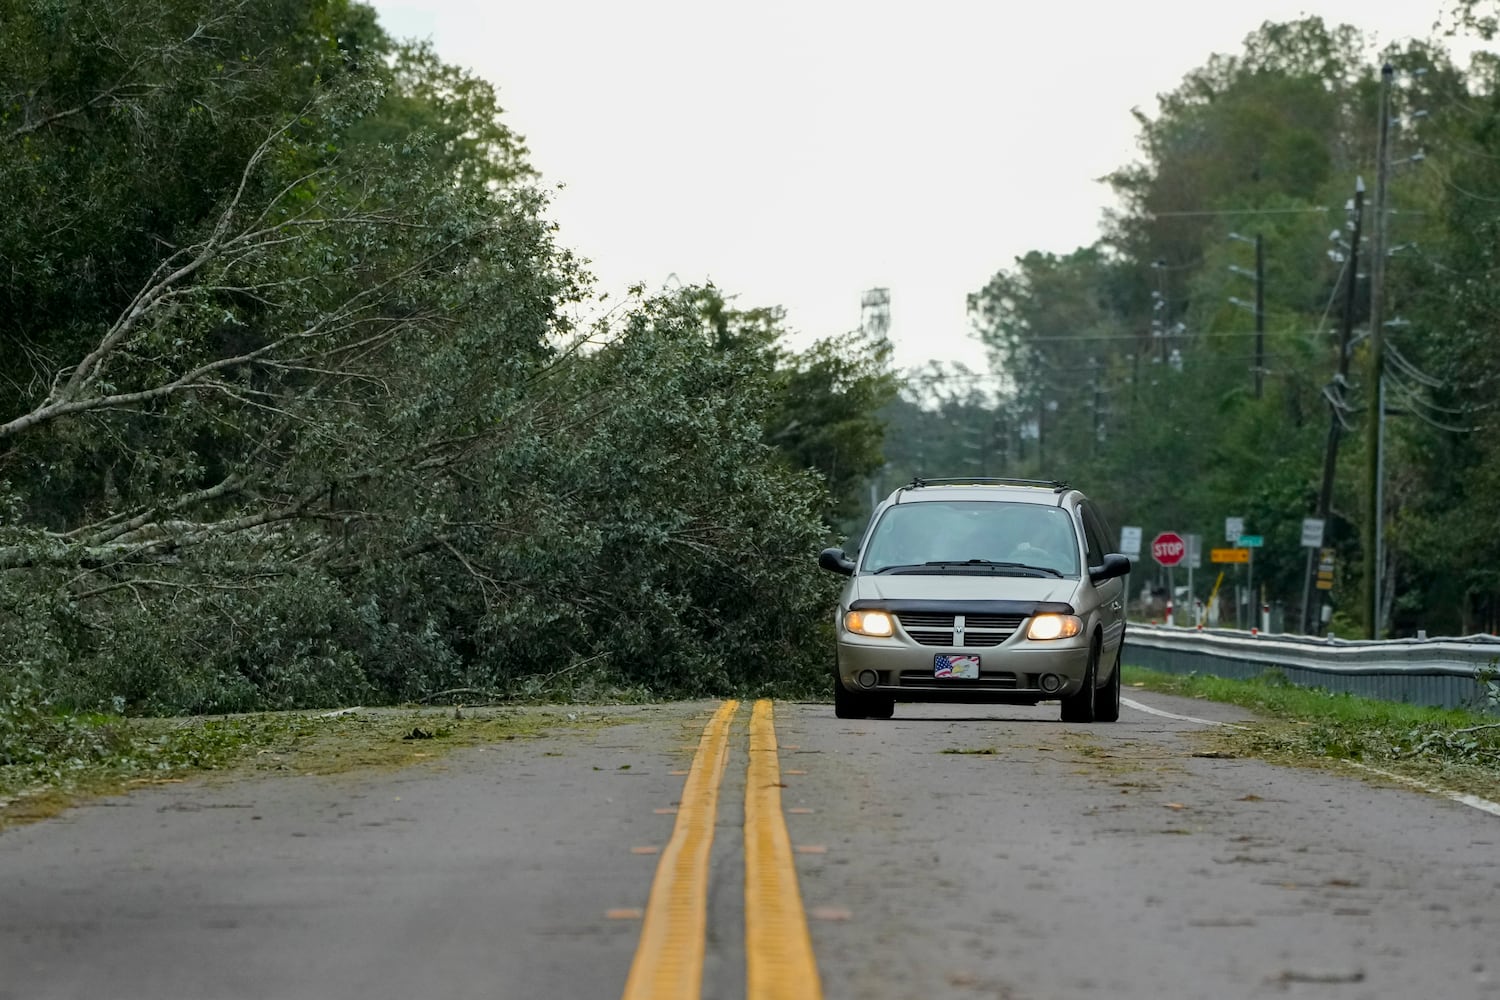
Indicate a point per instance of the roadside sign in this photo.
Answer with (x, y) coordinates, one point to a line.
(1229, 555)
(1325, 569)
(1168, 548)
(1250, 541)
(1312, 532)
(1130, 541)
(1234, 527)
(1194, 551)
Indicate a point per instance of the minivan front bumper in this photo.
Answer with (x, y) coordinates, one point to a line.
(1012, 668)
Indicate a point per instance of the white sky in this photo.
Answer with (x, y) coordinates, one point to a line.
(799, 153)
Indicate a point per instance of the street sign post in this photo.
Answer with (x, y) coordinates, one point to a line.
(1312, 539)
(1234, 527)
(1194, 560)
(1325, 569)
(1167, 549)
(1228, 555)
(1130, 541)
(1250, 543)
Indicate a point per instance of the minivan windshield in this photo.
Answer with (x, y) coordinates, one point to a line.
(973, 536)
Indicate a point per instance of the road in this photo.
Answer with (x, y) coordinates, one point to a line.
(954, 851)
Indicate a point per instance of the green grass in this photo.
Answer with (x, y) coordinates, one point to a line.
(1459, 750)
(85, 755)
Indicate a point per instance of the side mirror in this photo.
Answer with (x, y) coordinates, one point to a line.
(1114, 565)
(835, 561)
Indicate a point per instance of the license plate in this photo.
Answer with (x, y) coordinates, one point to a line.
(964, 668)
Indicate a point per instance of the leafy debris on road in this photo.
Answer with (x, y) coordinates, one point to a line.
(1454, 749)
(109, 754)
(1321, 978)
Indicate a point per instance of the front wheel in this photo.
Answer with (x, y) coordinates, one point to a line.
(1080, 707)
(847, 704)
(853, 705)
(1107, 701)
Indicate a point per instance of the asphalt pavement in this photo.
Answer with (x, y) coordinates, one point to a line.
(953, 851)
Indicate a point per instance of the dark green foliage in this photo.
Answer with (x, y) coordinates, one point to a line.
(32, 730)
(1126, 368)
(823, 415)
(293, 412)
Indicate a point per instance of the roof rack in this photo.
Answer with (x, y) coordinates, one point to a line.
(1057, 486)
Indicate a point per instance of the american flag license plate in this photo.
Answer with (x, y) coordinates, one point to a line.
(956, 667)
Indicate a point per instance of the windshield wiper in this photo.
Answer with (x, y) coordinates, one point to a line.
(992, 564)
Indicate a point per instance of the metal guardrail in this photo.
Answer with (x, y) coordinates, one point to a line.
(1439, 672)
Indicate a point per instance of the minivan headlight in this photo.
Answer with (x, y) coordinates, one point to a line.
(1054, 627)
(875, 623)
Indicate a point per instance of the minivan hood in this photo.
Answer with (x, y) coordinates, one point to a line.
(975, 587)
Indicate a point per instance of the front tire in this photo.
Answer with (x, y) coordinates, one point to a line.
(1080, 707)
(853, 705)
(847, 704)
(1107, 701)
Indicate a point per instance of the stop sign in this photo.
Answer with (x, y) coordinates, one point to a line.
(1168, 548)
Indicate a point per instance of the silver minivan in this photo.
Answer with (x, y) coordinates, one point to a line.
(981, 590)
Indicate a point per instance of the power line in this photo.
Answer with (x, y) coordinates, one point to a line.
(1414, 402)
(1236, 211)
(1213, 361)
(1337, 287)
(1189, 336)
(1410, 370)
(1469, 149)
(1450, 98)
(1448, 182)
(1461, 275)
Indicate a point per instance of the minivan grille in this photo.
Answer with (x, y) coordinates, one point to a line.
(932, 638)
(979, 630)
(1005, 623)
(915, 620)
(972, 638)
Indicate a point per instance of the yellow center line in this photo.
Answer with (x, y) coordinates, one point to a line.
(669, 959)
(778, 948)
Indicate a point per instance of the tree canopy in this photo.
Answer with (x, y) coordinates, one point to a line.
(296, 408)
(1131, 365)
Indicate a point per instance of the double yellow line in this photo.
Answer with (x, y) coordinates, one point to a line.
(778, 949)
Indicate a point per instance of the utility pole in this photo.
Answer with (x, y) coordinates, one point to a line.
(1000, 437)
(1259, 306)
(875, 313)
(1159, 306)
(1335, 420)
(1260, 313)
(1375, 384)
(1041, 420)
(1098, 409)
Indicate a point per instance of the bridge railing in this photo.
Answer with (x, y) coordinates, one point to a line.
(1444, 672)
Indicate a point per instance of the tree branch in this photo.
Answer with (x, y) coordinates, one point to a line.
(226, 486)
